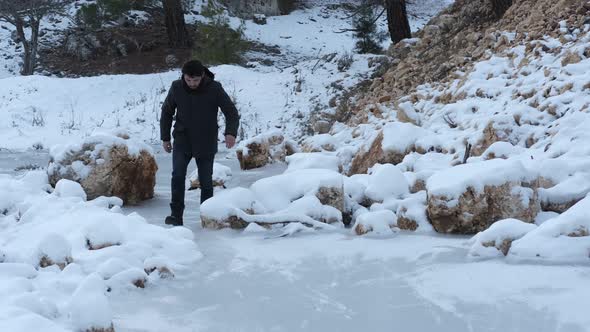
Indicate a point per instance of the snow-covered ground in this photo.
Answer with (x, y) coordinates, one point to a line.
(312, 281)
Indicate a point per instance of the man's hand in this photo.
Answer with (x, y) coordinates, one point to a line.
(230, 141)
(167, 146)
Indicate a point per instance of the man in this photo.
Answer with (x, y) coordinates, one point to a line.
(195, 100)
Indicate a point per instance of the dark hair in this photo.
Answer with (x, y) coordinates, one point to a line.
(196, 68)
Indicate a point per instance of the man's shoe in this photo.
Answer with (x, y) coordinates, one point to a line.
(174, 221)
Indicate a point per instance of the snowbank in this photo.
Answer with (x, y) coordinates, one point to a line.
(98, 248)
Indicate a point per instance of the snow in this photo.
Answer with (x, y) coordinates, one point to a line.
(84, 314)
(68, 188)
(60, 226)
(299, 161)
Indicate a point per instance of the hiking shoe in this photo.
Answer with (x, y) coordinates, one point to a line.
(174, 221)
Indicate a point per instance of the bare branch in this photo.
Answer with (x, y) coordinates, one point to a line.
(449, 121)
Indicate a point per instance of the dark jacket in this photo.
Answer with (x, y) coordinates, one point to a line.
(196, 115)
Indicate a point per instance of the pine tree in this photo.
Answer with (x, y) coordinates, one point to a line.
(365, 29)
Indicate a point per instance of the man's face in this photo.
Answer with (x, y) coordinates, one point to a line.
(193, 81)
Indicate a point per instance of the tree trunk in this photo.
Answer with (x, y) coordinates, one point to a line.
(27, 68)
(500, 7)
(177, 33)
(397, 20)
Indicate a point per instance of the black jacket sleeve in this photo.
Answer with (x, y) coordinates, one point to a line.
(168, 110)
(229, 110)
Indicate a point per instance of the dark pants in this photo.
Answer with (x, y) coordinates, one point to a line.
(181, 157)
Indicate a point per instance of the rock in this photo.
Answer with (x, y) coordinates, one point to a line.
(499, 238)
(492, 133)
(298, 196)
(411, 213)
(107, 166)
(233, 222)
(488, 193)
(263, 149)
(221, 174)
(390, 146)
(559, 198)
(81, 45)
(54, 249)
(570, 58)
(322, 127)
(332, 196)
(259, 19)
(379, 222)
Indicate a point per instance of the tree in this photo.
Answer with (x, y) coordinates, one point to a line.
(397, 20)
(364, 27)
(27, 14)
(500, 7)
(175, 25)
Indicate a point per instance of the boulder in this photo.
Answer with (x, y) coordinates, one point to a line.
(392, 144)
(264, 149)
(564, 195)
(310, 196)
(497, 240)
(379, 222)
(221, 174)
(468, 198)
(107, 165)
(259, 19)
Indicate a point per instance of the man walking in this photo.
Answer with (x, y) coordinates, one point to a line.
(195, 100)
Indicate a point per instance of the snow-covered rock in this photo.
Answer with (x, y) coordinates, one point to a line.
(411, 213)
(469, 198)
(106, 165)
(386, 181)
(497, 240)
(378, 222)
(54, 249)
(311, 196)
(311, 160)
(565, 194)
(392, 144)
(263, 149)
(221, 174)
(565, 238)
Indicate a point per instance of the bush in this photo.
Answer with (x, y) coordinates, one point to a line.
(345, 61)
(217, 43)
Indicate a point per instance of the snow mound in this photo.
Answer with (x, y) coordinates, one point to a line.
(96, 247)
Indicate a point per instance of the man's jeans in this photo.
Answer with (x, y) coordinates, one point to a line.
(181, 157)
